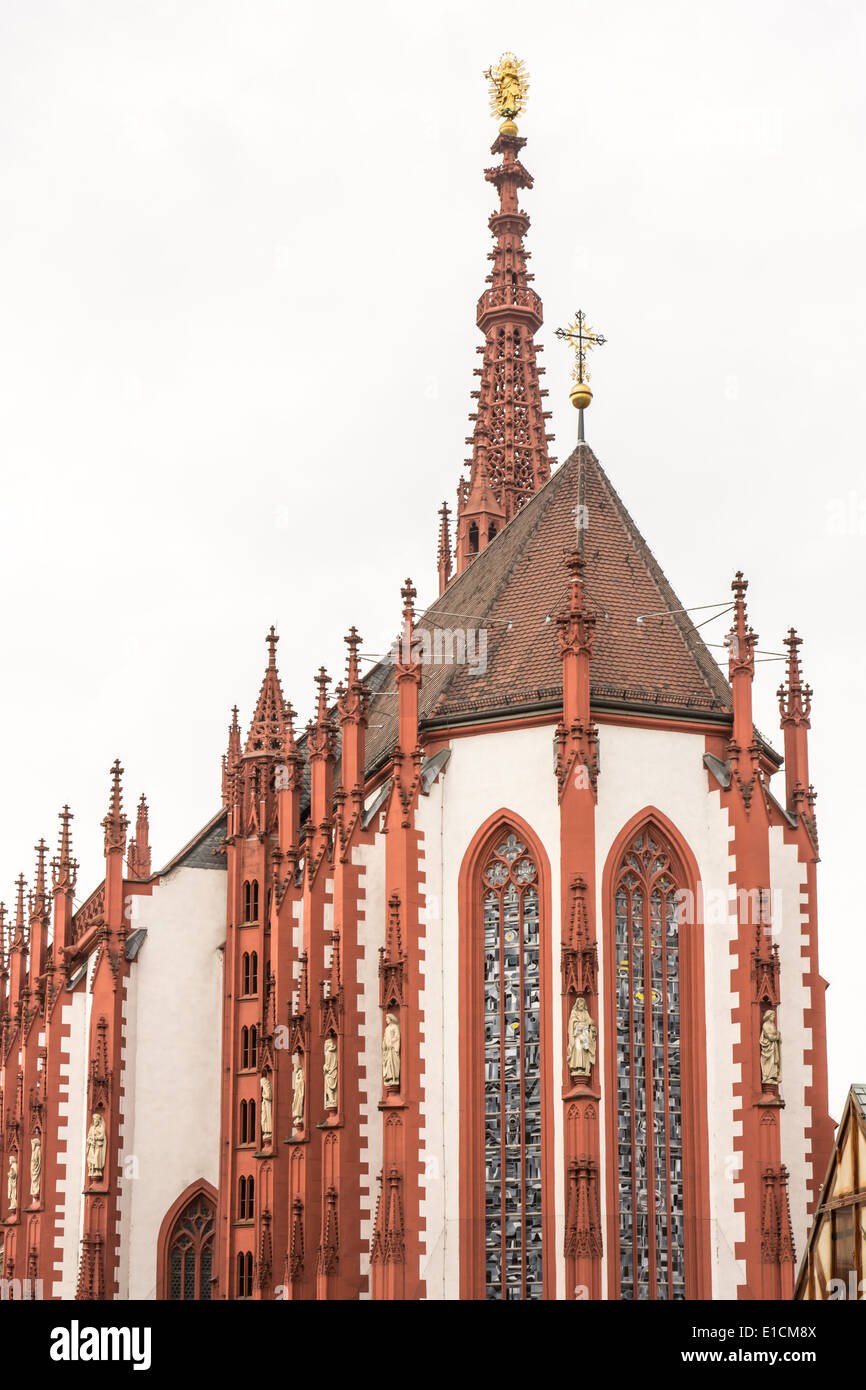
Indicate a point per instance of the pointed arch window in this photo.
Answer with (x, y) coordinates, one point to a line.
(512, 1072)
(245, 1274)
(649, 1109)
(254, 973)
(190, 1251)
(246, 1198)
(248, 1122)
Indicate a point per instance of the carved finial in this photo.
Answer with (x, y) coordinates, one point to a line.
(272, 639)
(741, 639)
(40, 896)
(20, 921)
(353, 641)
(323, 680)
(138, 859)
(409, 593)
(115, 823)
(575, 565)
(64, 868)
(795, 698)
(443, 557)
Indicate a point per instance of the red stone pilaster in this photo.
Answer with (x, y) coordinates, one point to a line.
(306, 1191)
(398, 1235)
(577, 773)
(795, 707)
(755, 985)
(261, 789)
(97, 1270)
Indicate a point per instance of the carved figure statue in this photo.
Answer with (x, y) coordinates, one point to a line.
(35, 1165)
(267, 1109)
(582, 1039)
(391, 1052)
(97, 1143)
(771, 1050)
(330, 1069)
(298, 1093)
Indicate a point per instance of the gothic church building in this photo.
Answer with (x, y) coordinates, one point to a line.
(498, 981)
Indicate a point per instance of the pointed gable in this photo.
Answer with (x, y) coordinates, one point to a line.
(647, 653)
(268, 728)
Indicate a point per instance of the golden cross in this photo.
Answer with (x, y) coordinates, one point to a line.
(582, 339)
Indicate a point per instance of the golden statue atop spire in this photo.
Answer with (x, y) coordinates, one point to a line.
(509, 90)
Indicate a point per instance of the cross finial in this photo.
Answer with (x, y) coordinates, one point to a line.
(583, 339)
(272, 639)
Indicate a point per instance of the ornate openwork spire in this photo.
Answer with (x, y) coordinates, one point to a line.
(509, 445)
(268, 729)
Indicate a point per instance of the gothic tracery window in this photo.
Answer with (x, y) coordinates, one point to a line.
(190, 1251)
(649, 1096)
(512, 1072)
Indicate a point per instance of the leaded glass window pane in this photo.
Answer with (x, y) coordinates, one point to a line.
(512, 1074)
(648, 1094)
(191, 1251)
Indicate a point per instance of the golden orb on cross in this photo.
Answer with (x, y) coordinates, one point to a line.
(509, 91)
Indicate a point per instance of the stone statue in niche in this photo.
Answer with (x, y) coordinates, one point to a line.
(771, 1050)
(391, 1051)
(298, 1092)
(582, 1039)
(330, 1069)
(12, 1183)
(267, 1109)
(35, 1165)
(97, 1143)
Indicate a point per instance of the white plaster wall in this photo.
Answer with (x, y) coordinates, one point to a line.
(641, 767)
(371, 935)
(128, 1058)
(73, 1087)
(429, 821)
(788, 880)
(171, 1129)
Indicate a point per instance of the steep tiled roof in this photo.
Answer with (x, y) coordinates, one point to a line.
(514, 590)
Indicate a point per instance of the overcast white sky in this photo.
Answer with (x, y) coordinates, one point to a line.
(240, 249)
